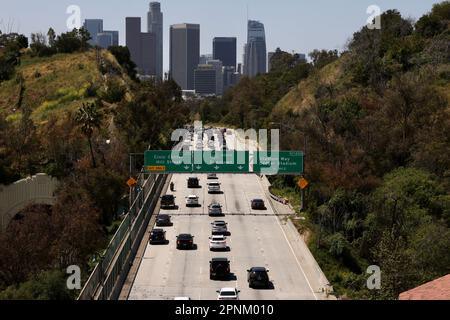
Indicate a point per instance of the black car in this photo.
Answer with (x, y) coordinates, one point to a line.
(258, 277)
(193, 183)
(168, 202)
(219, 268)
(185, 241)
(163, 220)
(158, 236)
(258, 204)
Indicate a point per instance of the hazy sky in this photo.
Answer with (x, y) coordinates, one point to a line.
(300, 25)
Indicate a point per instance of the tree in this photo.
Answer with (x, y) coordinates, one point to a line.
(69, 42)
(84, 37)
(51, 35)
(321, 58)
(89, 118)
(123, 57)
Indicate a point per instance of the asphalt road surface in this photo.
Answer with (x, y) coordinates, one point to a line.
(257, 239)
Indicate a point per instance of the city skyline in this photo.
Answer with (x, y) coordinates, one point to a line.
(305, 26)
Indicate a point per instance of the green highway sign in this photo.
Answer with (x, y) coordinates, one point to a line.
(220, 162)
(268, 163)
(163, 162)
(280, 163)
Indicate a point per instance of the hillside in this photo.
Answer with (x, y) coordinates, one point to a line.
(56, 84)
(374, 123)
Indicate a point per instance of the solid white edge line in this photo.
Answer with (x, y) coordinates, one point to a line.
(289, 243)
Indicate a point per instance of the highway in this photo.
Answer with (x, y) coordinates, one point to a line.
(258, 239)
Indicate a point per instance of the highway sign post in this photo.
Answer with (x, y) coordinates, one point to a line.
(237, 162)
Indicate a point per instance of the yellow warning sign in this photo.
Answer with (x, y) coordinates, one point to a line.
(303, 183)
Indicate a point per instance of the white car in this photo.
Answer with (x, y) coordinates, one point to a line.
(214, 187)
(218, 243)
(219, 227)
(192, 201)
(228, 294)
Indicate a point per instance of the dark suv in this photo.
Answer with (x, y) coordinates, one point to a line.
(193, 183)
(258, 204)
(163, 220)
(168, 202)
(185, 241)
(158, 236)
(219, 268)
(258, 277)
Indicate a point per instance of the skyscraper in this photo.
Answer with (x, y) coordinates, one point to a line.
(148, 54)
(104, 40)
(255, 56)
(100, 37)
(155, 26)
(133, 40)
(94, 27)
(114, 35)
(142, 47)
(218, 66)
(225, 50)
(205, 76)
(184, 53)
(204, 58)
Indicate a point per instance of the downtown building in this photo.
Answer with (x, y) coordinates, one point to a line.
(255, 51)
(142, 47)
(225, 50)
(99, 37)
(155, 21)
(205, 78)
(184, 54)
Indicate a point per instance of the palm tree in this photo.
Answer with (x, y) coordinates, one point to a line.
(89, 118)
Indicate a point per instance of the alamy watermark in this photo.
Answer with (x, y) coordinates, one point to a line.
(374, 281)
(74, 19)
(74, 280)
(374, 20)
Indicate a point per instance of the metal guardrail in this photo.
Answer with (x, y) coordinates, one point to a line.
(109, 272)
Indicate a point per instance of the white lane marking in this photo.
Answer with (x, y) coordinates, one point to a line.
(295, 256)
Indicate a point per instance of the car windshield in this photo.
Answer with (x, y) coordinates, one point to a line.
(261, 274)
(228, 293)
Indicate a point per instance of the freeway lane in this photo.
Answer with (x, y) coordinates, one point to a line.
(256, 240)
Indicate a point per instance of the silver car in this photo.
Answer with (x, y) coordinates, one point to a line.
(219, 227)
(214, 187)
